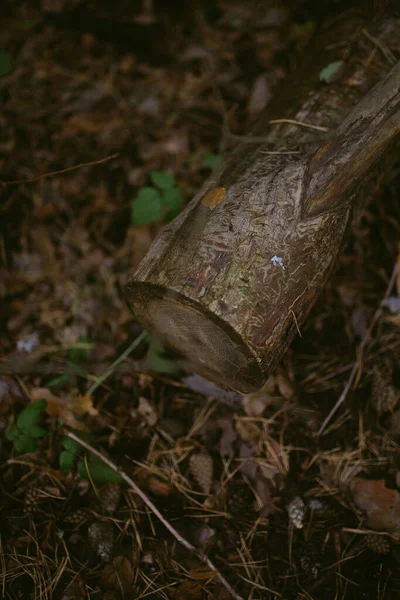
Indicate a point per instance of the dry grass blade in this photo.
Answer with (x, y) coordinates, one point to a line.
(136, 342)
(157, 513)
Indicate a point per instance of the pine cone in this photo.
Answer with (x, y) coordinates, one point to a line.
(78, 517)
(110, 497)
(309, 565)
(296, 512)
(201, 467)
(32, 499)
(101, 538)
(240, 499)
(377, 543)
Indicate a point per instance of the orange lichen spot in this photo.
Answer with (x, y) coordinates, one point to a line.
(321, 151)
(213, 197)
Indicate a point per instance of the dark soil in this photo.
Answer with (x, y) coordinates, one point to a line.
(280, 511)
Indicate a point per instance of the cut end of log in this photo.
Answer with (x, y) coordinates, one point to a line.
(208, 344)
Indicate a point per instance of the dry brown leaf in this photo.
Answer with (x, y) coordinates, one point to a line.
(118, 575)
(381, 505)
(228, 435)
(285, 386)
(156, 486)
(202, 574)
(247, 430)
(255, 403)
(56, 406)
(188, 590)
(260, 94)
(82, 404)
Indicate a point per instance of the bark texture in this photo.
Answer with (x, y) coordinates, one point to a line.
(229, 281)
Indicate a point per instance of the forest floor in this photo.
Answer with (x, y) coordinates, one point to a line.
(280, 511)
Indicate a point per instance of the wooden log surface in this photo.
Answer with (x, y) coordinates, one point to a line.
(228, 283)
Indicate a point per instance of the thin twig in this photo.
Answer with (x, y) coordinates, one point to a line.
(254, 139)
(385, 51)
(67, 170)
(299, 123)
(360, 351)
(157, 513)
(136, 342)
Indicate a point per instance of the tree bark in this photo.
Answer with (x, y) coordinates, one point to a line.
(228, 283)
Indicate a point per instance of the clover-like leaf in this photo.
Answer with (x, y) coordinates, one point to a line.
(98, 471)
(212, 160)
(5, 63)
(25, 443)
(73, 446)
(67, 461)
(147, 206)
(174, 200)
(13, 433)
(37, 432)
(30, 415)
(162, 180)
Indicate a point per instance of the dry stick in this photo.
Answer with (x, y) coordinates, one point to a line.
(157, 513)
(361, 347)
(67, 170)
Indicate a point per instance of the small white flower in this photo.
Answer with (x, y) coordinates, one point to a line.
(29, 343)
(277, 261)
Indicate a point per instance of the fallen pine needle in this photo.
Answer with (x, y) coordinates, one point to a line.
(61, 172)
(156, 512)
(299, 123)
(360, 351)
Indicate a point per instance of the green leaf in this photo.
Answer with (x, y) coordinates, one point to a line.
(27, 24)
(157, 360)
(174, 199)
(162, 180)
(30, 415)
(78, 354)
(67, 461)
(37, 432)
(75, 447)
(13, 433)
(147, 206)
(303, 30)
(57, 381)
(5, 63)
(99, 472)
(212, 160)
(329, 73)
(25, 443)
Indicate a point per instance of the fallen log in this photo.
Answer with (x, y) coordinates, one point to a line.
(228, 283)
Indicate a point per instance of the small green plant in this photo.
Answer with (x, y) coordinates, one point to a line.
(93, 468)
(212, 160)
(158, 360)
(76, 355)
(26, 432)
(5, 63)
(331, 71)
(79, 353)
(163, 199)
